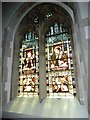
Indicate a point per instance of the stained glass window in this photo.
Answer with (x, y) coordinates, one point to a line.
(48, 15)
(29, 66)
(59, 63)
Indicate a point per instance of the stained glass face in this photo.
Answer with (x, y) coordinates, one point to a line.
(59, 63)
(28, 66)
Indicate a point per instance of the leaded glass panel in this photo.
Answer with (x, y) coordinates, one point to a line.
(59, 63)
(29, 66)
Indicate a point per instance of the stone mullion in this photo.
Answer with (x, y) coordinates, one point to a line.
(42, 66)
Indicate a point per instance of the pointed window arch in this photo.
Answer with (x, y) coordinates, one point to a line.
(59, 62)
(59, 74)
(28, 66)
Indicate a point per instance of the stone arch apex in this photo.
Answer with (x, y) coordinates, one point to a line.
(27, 7)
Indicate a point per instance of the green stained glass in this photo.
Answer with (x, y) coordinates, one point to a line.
(59, 37)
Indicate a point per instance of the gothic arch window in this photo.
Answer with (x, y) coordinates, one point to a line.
(28, 66)
(59, 62)
(52, 22)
